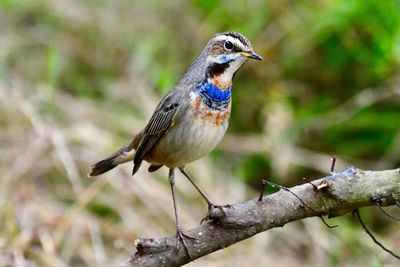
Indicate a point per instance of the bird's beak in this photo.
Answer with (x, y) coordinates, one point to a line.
(251, 54)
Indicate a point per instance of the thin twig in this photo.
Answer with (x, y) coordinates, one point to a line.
(333, 164)
(264, 183)
(302, 202)
(313, 185)
(386, 213)
(357, 213)
(378, 203)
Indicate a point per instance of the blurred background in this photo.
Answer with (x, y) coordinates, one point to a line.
(79, 78)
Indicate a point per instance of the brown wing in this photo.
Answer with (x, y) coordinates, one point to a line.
(156, 128)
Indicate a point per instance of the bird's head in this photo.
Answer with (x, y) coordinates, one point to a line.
(226, 53)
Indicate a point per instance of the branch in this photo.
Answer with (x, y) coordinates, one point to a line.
(339, 194)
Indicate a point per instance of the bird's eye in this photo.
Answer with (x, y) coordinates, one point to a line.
(228, 45)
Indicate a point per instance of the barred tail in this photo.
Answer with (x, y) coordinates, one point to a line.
(123, 155)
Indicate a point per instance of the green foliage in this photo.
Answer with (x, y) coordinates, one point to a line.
(104, 211)
(235, 12)
(253, 170)
(366, 135)
(352, 44)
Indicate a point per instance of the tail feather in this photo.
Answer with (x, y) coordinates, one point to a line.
(136, 167)
(123, 155)
(103, 166)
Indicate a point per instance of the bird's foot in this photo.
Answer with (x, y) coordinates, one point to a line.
(215, 212)
(180, 237)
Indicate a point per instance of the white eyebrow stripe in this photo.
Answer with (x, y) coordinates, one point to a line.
(235, 41)
(240, 44)
(224, 38)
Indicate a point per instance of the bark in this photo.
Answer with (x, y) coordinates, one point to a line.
(338, 194)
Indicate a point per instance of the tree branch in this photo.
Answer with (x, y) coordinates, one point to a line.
(339, 194)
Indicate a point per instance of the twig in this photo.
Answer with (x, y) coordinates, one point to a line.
(333, 165)
(264, 183)
(357, 213)
(302, 202)
(386, 213)
(378, 203)
(313, 185)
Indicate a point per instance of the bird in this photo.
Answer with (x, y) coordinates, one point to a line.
(191, 119)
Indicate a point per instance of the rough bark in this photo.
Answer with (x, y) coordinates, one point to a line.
(338, 194)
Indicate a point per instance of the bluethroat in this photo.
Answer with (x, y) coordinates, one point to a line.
(191, 119)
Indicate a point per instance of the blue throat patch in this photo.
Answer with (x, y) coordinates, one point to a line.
(214, 93)
(213, 96)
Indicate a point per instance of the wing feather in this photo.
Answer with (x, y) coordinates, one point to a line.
(158, 125)
(160, 121)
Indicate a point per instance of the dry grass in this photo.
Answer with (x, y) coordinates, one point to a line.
(51, 214)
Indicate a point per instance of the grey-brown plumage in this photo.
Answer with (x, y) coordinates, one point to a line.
(192, 118)
(175, 107)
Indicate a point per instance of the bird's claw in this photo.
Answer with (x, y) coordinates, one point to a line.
(210, 213)
(180, 237)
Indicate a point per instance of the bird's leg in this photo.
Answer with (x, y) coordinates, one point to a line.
(209, 203)
(179, 234)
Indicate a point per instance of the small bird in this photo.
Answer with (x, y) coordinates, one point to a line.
(191, 119)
